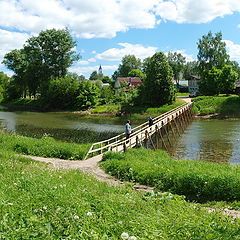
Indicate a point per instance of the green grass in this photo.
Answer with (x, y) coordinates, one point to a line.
(179, 94)
(45, 147)
(26, 102)
(224, 105)
(108, 108)
(140, 112)
(41, 203)
(199, 181)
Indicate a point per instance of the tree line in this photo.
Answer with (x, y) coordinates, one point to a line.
(41, 72)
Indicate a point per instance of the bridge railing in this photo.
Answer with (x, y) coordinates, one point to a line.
(109, 144)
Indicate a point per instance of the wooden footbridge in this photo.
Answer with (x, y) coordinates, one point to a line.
(165, 127)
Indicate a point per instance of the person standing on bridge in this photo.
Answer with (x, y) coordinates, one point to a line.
(128, 129)
(150, 121)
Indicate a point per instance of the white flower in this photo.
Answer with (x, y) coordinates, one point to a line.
(76, 217)
(132, 238)
(60, 176)
(9, 204)
(120, 222)
(44, 208)
(124, 235)
(89, 213)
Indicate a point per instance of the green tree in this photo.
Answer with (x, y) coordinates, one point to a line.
(43, 57)
(94, 75)
(177, 62)
(227, 79)
(137, 73)
(61, 93)
(190, 68)
(88, 95)
(128, 63)
(4, 83)
(158, 88)
(212, 52)
(209, 84)
(106, 79)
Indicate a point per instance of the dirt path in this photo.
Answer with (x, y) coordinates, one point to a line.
(89, 166)
(185, 99)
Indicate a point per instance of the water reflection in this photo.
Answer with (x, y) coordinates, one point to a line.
(210, 140)
(62, 126)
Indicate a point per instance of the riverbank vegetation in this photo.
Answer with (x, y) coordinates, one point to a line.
(43, 203)
(223, 105)
(197, 180)
(44, 147)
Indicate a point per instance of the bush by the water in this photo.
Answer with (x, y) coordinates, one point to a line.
(225, 105)
(200, 181)
(45, 147)
(42, 203)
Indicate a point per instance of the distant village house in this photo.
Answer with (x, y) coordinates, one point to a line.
(127, 82)
(193, 85)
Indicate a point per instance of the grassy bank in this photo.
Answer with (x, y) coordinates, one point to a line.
(41, 203)
(45, 147)
(200, 181)
(224, 105)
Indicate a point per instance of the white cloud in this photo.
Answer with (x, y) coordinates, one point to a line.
(83, 62)
(233, 50)
(10, 41)
(192, 11)
(116, 54)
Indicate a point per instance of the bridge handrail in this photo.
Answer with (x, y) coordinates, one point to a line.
(139, 126)
(161, 117)
(120, 139)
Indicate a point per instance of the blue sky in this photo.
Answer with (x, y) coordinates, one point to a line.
(106, 30)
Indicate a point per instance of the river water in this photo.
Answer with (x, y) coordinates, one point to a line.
(210, 140)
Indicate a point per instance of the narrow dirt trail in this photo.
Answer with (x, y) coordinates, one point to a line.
(89, 166)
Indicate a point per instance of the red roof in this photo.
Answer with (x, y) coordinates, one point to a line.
(134, 81)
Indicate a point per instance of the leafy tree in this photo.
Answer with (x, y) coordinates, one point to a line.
(128, 63)
(62, 93)
(176, 61)
(115, 75)
(43, 57)
(158, 88)
(227, 79)
(235, 66)
(145, 64)
(106, 79)
(81, 78)
(212, 52)
(190, 68)
(94, 75)
(4, 83)
(88, 94)
(209, 84)
(137, 73)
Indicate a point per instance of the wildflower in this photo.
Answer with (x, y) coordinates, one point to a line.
(76, 217)
(120, 222)
(124, 235)
(9, 204)
(206, 182)
(44, 208)
(89, 213)
(132, 238)
(58, 209)
(60, 176)
(55, 187)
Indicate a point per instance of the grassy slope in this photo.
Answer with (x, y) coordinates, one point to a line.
(45, 147)
(201, 181)
(225, 105)
(41, 203)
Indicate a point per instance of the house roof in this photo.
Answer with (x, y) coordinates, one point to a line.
(135, 81)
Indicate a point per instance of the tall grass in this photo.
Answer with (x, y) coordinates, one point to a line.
(45, 147)
(42, 203)
(200, 181)
(225, 105)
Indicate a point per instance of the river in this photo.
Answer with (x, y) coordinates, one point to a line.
(211, 140)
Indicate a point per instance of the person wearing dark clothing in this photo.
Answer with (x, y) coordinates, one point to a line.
(128, 129)
(150, 121)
